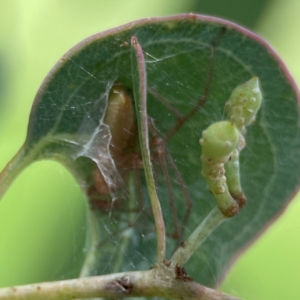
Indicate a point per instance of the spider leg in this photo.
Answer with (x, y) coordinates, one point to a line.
(184, 190)
(161, 155)
(181, 119)
(167, 163)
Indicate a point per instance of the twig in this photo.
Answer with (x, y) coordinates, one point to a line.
(157, 282)
(187, 248)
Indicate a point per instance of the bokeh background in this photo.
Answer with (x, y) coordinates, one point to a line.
(42, 217)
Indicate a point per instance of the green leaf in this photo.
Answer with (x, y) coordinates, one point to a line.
(193, 63)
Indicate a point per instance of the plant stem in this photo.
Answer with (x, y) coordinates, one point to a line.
(156, 282)
(16, 165)
(140, 94)
(187, 248)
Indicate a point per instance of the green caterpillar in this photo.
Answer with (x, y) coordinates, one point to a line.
(221, 143)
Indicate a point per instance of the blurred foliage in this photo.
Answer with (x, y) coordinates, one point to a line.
(33, 36)
(2, 85)
(245, 13)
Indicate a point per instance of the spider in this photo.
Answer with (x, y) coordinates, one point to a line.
(125, 152)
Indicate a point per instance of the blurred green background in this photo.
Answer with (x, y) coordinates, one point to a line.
(42, 217)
